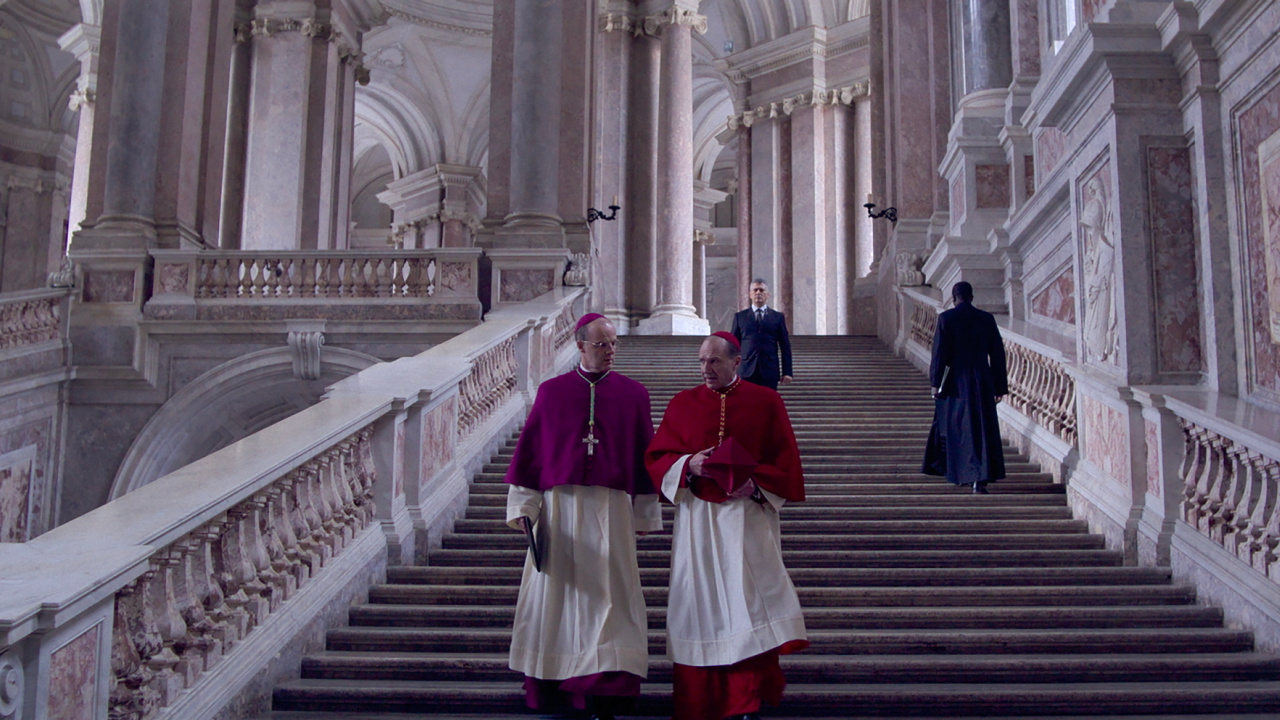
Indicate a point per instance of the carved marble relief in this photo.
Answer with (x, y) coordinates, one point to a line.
(1154, 486)
(993, 185)
(17, 470)
(108, 286)
(73, 678)
(1089, 9)
(173, 279)
(1256, 126)
(439, 428)
(1057, 300)
(522, 285)
(1269, 169)
(455, 278)
(1173, 252)
(1106, 439)
(1098, 250)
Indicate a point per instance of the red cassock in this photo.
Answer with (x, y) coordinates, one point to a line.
(732, 609)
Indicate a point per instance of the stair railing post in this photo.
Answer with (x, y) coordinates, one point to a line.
(389, 494)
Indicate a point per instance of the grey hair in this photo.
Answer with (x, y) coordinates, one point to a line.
(760, 281)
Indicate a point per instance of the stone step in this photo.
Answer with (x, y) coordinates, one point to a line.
(851, 642)
(875, 699)
(774, 714)
(991, 596)
(832, 495)
(941, 618)
(797, 527)
(954, 543)
(808, 512)
(802, 668)
(894, 558)
(940, 577)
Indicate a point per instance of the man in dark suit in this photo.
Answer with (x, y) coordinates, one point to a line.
(968, 376)
(763, 334)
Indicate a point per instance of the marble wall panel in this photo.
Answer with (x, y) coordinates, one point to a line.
(1173, 251)
(16, 472)
(1154, 486)
(73, 671)
(108, 286)
(1057, 300)
(1029, 174)
(454, 278)
(1106, 439)
(397, 476)
(1269, 168)
(519, 285)
(1254, 127)
(173, 279)
(1051, 145)
(439, 430)
(958, 206)
(1099, 291)
(993, 185)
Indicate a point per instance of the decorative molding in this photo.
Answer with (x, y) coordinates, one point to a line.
(81, 97)
(447, 27)
(839, 96)
(621, 22)
(776, 59)
(579, 272)
(12, 683)
(653, 24)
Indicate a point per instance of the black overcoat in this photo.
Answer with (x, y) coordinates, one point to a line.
(964, 442)
(764, 343)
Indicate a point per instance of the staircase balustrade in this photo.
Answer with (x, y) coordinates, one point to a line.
(331, 274)
(31, 318)
(173, 600)
(1232, 496)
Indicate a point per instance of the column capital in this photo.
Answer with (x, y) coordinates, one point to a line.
(837, 96)
(675, 15)
(82, 40)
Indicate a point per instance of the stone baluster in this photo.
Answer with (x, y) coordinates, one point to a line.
(168, 678)
(348, 475)
(299, 557)
(327, 497)
(193, 586)
(278, 534)
(312, 511)
(368, 476)
(209, 592)
(228, 557)
(255, 513)
(131, 696)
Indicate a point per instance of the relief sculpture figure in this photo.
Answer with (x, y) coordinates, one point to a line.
(1099, 272)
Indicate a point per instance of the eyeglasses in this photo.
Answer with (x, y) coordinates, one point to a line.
(611, 344)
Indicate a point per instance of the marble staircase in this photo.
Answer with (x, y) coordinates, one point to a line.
(922, 600)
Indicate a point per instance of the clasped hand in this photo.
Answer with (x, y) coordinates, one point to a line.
(696, 467)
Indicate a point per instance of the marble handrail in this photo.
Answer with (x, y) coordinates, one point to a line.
(31, 317)
(166, 582)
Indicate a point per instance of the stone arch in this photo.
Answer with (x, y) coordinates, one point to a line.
(224, 405)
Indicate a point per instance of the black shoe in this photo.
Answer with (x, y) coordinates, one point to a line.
(980, 489)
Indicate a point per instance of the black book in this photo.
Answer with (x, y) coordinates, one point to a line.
(533, 542)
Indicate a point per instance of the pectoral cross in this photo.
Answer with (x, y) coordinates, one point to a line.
(591, 441)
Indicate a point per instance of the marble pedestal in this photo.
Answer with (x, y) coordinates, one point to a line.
(673, 323)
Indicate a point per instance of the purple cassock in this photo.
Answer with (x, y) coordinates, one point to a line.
(551, 450)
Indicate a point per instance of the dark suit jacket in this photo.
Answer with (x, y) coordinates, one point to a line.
(762, 345)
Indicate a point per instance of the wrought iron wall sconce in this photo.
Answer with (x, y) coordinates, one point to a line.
(889, 212)
(594, 214)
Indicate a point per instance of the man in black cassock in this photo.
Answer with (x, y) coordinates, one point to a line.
(968, 376)
(762, 332)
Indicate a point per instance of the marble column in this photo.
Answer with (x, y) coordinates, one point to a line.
(83, 41)
(983, 26)
(742, 206)
(137, 88)
(641, 212)
(610, 162)
(865, 251)
(766, 183)
(674, 313)
(26, 245)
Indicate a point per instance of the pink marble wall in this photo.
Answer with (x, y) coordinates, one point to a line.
(1269, 167)
(1058, 299)
(108, 286)
(1154, 486)
(1106, 439)
(397, 474)
(519, 285)
(439, 428)
(1172, 228)
(1029, 174)
(15, 498)
(1051, 145)
(993, 185)
(173, 279)
(73, 670)
(957, 202)
(1255, 126)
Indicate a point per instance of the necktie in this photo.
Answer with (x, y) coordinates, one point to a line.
(759, 316)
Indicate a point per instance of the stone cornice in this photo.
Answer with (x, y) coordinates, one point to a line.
(438, 25)
(798, 47)
(839, 96)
